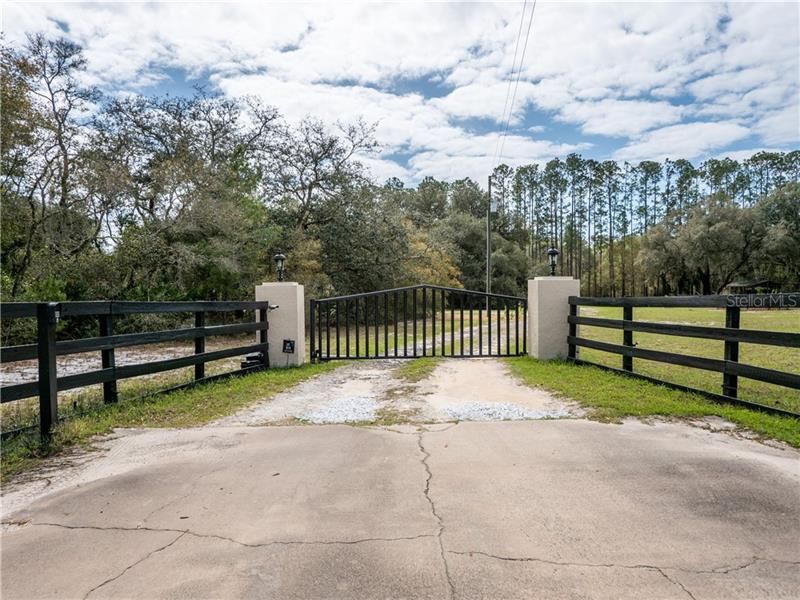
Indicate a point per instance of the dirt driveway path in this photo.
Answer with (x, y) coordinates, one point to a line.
(363, 391)
(554, 507)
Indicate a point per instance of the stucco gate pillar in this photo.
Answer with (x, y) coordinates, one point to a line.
(548, 309)
(287, 323)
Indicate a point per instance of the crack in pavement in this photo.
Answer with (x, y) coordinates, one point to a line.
(676, 583)
(425, 456)
(575, 564)
(187, 532)
(129, 567)
(191, 533)
(724, 570)
(421, 427)
(717, 570)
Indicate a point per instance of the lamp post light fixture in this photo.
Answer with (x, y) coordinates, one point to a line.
(489, 243)
(552, 256)
(279, 259)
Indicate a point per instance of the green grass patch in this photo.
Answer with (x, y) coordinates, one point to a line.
(610, 397)
(183, 408)
(417, 369)
(77, 402)
(392, 415)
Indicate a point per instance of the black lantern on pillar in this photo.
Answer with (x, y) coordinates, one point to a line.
(279, 259)
(552, 256)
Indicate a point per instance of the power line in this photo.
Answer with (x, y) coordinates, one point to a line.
(516, 83)
(511, 78)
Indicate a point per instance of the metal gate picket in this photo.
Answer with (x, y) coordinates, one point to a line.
(404, 323)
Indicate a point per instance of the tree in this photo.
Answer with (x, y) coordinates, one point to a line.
(169, 151)
(502, 184)
(467, 197)
(311, 165)
(610, 173)
(576, 177)
(686, 192)
(429, 260)
(509, 267)
(428, 203)
(720, 176)
(661, 260)
(650, 176)
(183, 175)
(779, 258)
(554, 187)
(719, 241)
(466, 236)
(43, 155)
(364, 244)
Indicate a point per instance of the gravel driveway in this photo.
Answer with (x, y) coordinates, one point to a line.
(365, 391)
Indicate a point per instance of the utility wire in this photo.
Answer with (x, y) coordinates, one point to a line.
(516, 83)
(511, 78)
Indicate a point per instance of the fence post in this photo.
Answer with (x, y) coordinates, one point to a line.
(627, 337)
(47, 314)
(730, 383)
(312, 307)
(199, 345)
(263, 336)
(572, 353)
(107, 357)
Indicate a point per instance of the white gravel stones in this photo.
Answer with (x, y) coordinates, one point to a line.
(494, 411)
(343, 410)
(360, 392)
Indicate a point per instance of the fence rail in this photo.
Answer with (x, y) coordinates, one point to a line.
(46, 348)
(728, 365)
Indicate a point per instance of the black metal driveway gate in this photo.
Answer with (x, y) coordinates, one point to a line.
(420, 320)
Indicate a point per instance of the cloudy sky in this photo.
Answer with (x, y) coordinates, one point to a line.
(609, 80)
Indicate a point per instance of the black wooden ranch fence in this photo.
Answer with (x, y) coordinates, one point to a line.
(728, 365)
(416, 321)
(46, 349)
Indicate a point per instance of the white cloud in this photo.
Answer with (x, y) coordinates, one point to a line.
(676, 79)
(620, 117)
(781, 126)
(708, 88)
(406, 123)
(688, 140)
(486, 101)
(382, 169)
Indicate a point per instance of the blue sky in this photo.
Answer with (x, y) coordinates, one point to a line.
(629, 81)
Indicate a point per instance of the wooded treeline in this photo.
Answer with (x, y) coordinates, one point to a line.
(173, 198)
(671, 227)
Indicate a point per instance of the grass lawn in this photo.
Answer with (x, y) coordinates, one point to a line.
(71, 403)
(772, 357)
(183, 408)
(610, 396)
(418, 369)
